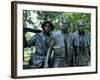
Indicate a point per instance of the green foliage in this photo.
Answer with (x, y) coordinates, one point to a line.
(36, 18)
(29, 35)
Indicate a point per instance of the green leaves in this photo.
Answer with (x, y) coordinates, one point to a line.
(35, 18)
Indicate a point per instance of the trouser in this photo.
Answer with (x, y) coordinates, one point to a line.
(59, 62)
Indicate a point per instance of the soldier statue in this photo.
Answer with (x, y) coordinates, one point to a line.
(81, 45)
(61, 45)
(41, 40)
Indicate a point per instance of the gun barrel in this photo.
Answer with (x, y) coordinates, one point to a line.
(31, 30)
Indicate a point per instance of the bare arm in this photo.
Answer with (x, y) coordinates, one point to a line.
(49, 52)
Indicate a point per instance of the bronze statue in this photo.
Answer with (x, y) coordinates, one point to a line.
(41, 40)
(61, 45)
(81, 45)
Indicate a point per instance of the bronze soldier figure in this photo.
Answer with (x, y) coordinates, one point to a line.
(81, 45)
(41, 40)
(62, 46)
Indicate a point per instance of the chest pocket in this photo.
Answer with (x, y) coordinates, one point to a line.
(82, 41)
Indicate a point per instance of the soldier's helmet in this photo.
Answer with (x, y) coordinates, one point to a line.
(65, 23)
(48, 22)
(65, 20)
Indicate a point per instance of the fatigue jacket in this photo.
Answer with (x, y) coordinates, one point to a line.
(41, 42)
(81, 46)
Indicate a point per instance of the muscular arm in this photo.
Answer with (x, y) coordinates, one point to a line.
(49, 52)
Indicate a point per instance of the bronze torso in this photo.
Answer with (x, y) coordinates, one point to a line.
(62, 53)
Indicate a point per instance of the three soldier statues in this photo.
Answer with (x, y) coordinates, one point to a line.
(61, 48)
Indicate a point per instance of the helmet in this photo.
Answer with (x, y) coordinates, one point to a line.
(51, 25)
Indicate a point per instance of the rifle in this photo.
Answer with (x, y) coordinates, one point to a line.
(31, 30)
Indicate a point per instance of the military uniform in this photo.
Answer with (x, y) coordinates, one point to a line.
(62, 50)
(81, 46)
(41, 42)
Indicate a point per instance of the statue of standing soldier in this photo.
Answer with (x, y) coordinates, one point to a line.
(81, 45)
(41, 40)
(61, 45)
